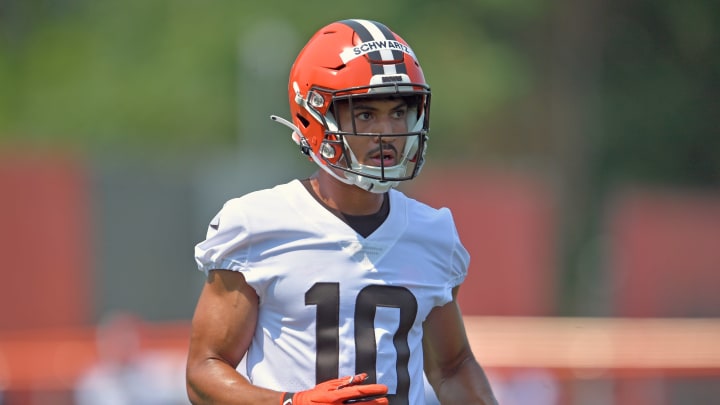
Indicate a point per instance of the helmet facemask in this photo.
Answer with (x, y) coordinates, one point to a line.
(335, 150)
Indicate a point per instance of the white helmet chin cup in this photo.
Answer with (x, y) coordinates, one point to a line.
(369, 177)
(371, 185)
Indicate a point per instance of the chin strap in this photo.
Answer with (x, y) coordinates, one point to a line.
(296, 137)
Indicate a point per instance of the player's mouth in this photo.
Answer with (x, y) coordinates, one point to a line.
(385, 156)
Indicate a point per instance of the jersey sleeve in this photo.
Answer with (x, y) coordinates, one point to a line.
(226, 245)
(459, 256)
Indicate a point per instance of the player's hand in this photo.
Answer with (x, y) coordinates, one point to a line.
(338, 392)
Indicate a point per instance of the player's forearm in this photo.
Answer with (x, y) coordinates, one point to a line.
(467, 384)
(216, 382)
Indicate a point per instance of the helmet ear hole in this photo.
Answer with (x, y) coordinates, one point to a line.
(304, 121)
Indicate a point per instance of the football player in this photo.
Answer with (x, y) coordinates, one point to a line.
(338, 288)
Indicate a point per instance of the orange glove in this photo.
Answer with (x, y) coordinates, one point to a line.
(339, 391)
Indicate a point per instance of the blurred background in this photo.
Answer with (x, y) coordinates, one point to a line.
(577, 143)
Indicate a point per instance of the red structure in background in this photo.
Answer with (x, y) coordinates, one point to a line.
(664, 261)
(665, 254)
(507, 223)
(44, 241)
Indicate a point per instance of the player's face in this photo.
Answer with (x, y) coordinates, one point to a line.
(375, 116)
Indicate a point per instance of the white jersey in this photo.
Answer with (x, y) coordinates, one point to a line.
(333, 303)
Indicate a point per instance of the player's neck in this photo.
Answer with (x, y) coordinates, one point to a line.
(345, 198)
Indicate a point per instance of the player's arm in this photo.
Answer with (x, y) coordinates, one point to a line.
(222, 328)
(450, 365)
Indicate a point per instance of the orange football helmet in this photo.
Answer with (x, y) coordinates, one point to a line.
(344, 61)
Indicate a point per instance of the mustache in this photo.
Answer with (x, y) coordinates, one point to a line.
(382, 148)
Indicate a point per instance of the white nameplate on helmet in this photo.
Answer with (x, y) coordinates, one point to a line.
(374, 46)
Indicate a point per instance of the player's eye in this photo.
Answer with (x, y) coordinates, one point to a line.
(363, 116)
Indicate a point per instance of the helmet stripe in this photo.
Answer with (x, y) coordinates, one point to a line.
(369, 31)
